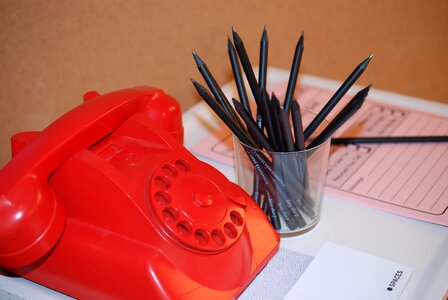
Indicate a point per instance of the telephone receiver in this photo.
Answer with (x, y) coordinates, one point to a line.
(106, 197)
(27, 201)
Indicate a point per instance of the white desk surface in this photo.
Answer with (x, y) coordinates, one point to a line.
(419, 245)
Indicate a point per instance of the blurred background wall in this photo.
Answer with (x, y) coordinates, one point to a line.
(51, 52)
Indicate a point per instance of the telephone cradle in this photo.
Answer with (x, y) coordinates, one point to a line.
(106, 203)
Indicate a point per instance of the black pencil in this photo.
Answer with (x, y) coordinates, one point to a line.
(280, 183)
(263, 64)
(252, 126)
(274, 216)
(389, 139)
(282, 190)
(209, 79)
(293, 75)
(296, 114)
(256, 189)
(286, 207)
(260, 159)
(273, 182)
(286, 130)
(299, 144)
(336, 97)
(214, 105)
(239, 82)
(246, 64)
(275, 110)
(215, 89)
(266, 117)
(353, 106)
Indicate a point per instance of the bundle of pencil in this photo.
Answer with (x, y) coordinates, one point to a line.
(275, 128)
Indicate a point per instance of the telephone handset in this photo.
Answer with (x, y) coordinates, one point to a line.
(106, 202)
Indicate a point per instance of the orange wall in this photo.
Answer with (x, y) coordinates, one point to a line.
(54, 51)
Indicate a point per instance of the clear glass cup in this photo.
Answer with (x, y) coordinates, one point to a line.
(288, 186)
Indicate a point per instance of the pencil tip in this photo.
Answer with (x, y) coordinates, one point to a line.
(300, 42)
(201, 90)
(236, 37)
(366, 61)
(362, 94)
(264, 36)
(234, 33)
(198, 60)
(196, 85)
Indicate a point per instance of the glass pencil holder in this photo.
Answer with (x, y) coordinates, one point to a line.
(288, 186)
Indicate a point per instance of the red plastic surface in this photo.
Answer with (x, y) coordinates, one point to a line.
(107, 203)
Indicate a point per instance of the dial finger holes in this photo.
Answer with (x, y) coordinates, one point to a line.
(170, 214)
(218, 237)
(169, 171)
(183, 228)
(162, 182)
(182, 165)
(230, 230)
(236, 218)
(162, 198)
(201, 237)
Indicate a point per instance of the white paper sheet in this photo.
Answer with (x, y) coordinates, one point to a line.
(341, 273)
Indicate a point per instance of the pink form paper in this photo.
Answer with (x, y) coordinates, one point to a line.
(408, 179)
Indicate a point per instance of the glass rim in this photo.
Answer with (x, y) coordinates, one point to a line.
(313, 149)
(324, 123)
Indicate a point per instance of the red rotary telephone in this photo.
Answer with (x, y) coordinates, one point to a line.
(106, 203)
